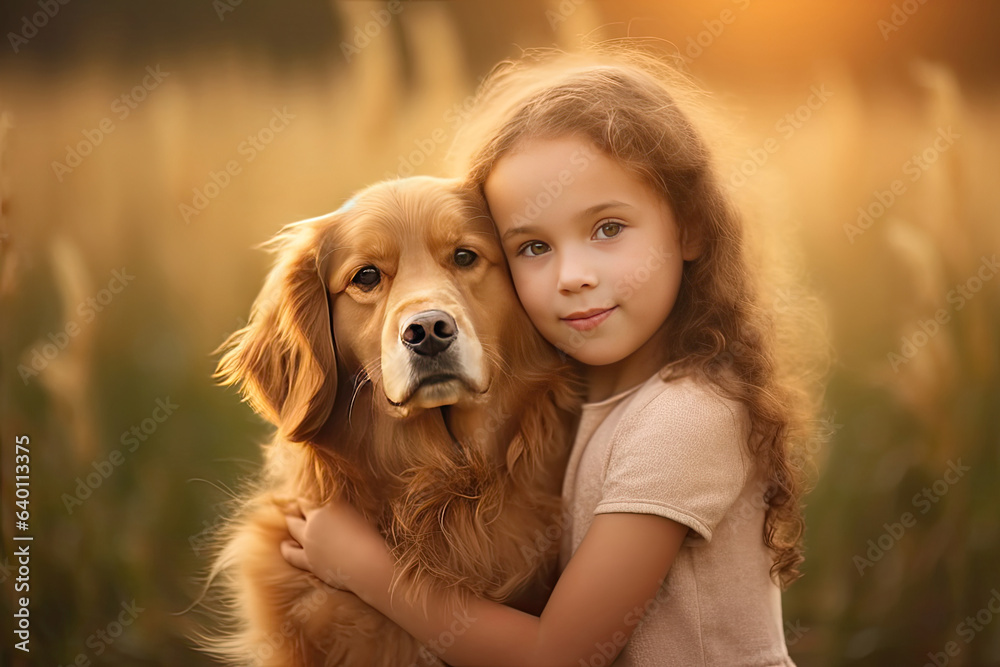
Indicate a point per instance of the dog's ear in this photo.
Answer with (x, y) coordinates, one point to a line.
(283, 359)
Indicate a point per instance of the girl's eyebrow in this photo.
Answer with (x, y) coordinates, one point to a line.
(586, 213)
(520, 229)
(597, 208)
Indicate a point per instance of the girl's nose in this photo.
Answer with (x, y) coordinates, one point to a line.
(576, 273)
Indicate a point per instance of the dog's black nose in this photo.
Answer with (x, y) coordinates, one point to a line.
(429, 332)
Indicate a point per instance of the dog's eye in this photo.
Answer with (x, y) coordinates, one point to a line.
(367, 278)
(464, 257)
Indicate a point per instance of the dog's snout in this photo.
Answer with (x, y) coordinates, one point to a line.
(429, 332)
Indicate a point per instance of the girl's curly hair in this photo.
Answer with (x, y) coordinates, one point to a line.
(639, 110)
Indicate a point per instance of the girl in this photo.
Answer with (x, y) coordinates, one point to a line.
(682, 494)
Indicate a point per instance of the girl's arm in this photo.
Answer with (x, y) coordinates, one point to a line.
(596, 604)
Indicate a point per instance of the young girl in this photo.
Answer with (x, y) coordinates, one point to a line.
(680, 487)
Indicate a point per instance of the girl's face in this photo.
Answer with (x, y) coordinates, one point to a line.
(595, 253)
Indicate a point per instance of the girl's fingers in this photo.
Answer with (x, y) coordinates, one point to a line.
(298, 507)
(296, 527)
(291, 507)
(294, 554)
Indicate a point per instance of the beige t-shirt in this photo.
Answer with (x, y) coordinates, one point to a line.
(676, 449)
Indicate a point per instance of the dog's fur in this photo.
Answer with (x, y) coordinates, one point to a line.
(456, 455)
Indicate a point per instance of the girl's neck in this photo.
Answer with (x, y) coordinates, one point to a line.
(610, 379)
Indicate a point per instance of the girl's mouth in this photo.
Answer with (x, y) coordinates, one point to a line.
(588, 323)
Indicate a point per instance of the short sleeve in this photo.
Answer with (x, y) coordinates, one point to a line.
(680, 456)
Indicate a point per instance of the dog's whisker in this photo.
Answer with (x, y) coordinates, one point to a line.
(496, 357)
(361, 378)
(375, 377)
(359, 382)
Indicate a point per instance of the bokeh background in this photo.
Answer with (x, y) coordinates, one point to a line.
(146, 148)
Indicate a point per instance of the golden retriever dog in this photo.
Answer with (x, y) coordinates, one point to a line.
(389, 349)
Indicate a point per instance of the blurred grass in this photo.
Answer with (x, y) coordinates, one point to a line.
(138, 535)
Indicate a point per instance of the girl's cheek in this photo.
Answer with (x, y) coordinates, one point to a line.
(524, 295)
(528, 294)
(521, 278)
(532, 288)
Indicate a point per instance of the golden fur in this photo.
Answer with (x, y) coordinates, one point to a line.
(461, 476)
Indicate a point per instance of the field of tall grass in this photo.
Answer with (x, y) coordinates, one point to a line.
(133, 194)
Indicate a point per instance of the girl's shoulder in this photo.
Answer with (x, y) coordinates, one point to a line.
(685, 418)
(685, 399)
(679, 451)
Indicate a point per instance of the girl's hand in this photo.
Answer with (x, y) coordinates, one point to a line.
(333, 542)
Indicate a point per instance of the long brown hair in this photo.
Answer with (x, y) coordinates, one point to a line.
(639, 110)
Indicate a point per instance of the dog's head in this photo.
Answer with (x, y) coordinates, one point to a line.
(406, 286)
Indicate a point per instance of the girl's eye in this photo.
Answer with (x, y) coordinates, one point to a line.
(367, 278)
(465, 257)
(533, 248)
(610, 230)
